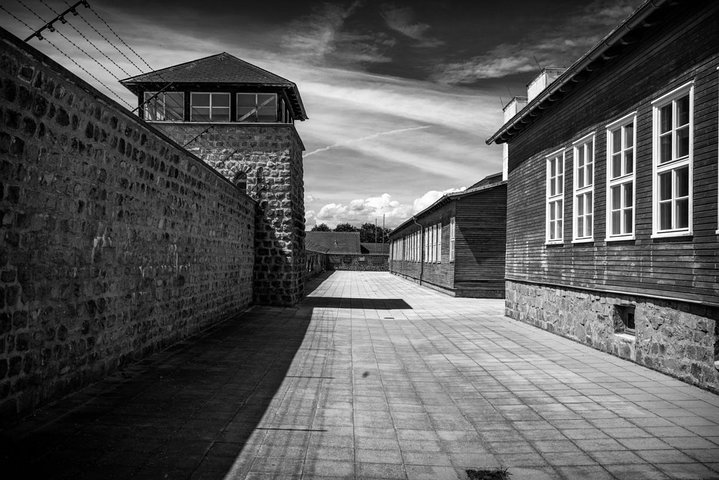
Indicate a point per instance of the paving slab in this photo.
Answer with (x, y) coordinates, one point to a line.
(373, 376)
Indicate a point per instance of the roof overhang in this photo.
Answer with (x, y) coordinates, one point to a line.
(593, 60)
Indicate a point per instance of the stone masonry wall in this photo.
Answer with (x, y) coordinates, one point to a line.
(676, 338)
(114, 241)
(270, 157)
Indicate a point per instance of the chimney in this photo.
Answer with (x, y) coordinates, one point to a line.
(510, 110)
(547, 76)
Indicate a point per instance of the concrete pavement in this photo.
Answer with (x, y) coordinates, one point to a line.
(375, 377)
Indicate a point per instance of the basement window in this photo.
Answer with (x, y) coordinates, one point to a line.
(624, 319)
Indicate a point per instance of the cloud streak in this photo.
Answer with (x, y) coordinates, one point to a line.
(559, 46)
(364, 139)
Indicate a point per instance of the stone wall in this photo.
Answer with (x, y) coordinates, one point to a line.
(677, 338)
(268, 157)
(114, 241)
(359, 262)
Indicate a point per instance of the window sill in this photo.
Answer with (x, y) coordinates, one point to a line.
(620, 239)
(554, 243)
(672, 235)
(625, 337)
(583, 240)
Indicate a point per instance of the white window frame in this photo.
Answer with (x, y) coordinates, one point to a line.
(256, 112)
(162, 96)
(552, 199)
(439, 242)
(674, 164)
(620, 181)
(588, 188)
(229, 106)
(452, 238)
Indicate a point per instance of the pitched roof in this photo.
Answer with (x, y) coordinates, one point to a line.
(219, 68)
(603, 52)
(222, 69)
(487, 183)
(375, 248)
(333, 242)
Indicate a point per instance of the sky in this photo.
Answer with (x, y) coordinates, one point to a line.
(401, 95)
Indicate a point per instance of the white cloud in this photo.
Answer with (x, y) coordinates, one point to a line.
(364, 210)
(432, 196)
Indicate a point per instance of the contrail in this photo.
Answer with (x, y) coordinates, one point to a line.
(362, 139)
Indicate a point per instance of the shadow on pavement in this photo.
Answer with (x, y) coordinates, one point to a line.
(184, 412)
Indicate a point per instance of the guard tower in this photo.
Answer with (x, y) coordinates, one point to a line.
(240, 119)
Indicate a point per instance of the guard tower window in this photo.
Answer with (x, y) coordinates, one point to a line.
(256, 107)
(210, 107)
(167, 106)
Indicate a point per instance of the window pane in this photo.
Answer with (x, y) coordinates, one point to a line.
(175, 106)
(629, 135)
(221, 100)
(665, 216)
(560, 185)
(580, 177)
(616, 197)
(665, 186)
(552, 168)
(552, 214)
(665, 118)
(580, 157)
(588, 226)
(560, 165)
(589, 204)
(220, 114)
(683, 111)
(246, 100)
(682, 182)
(628, 195)
(628, 161)
(682, 213)
(589, 152)
(665, 148)
(267, 111)
(200, 99)
(628, 220)
(616, 227)
(200, 114)
(590, 174)
(580, 227)
(153, 110)
(246, 114)
(616, 140)
(683, 142)
(616, 165)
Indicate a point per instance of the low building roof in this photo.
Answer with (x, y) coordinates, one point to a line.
(333, 242)
(487, 183)
(375, 248)
(219, 69)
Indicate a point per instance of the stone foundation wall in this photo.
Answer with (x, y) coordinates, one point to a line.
(674, 337)
(268, 157)
(114, 241)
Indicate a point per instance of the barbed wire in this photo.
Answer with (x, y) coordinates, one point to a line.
(85, 37)
(79, 14)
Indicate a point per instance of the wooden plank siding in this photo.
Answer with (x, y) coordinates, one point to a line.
(438, 274)
(478, 269)
(685, 268)
(481, 243)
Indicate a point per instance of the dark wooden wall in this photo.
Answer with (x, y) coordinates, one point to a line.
(682, 49)
(480, 248)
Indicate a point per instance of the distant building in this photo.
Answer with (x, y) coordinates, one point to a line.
(240, 119)
(457, 244)
(612, 194)
(333, 242)
(344, 251)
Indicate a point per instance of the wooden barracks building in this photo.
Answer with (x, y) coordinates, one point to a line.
(612, 219)
(456, 245)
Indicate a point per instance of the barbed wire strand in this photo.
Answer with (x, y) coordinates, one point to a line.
(79, 14)
(70, 41)
(118, 36)
(86, 39)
